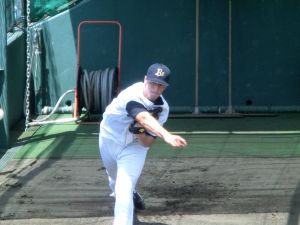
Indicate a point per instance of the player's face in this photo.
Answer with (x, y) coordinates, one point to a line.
(153, 90)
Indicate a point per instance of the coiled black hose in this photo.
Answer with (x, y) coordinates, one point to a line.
(96, 89)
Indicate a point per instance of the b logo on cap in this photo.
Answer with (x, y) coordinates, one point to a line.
(160, 72)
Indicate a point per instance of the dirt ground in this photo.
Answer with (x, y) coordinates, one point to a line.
(173, 188)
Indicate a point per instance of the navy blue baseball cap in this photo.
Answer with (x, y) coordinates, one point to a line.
(159, 73)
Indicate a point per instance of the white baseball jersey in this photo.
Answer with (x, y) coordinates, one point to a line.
(120, 113)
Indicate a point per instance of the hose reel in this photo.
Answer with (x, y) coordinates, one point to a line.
(96, 89)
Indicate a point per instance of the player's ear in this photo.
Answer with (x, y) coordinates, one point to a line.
(145, 78)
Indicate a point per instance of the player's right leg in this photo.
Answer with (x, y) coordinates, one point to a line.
(109, 151)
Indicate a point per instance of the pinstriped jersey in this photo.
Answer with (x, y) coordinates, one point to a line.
(120, 113)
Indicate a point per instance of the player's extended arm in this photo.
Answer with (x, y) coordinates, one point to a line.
(151, 124)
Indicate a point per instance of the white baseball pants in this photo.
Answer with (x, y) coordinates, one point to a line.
(124, 166)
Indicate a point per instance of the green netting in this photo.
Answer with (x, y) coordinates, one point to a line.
(42, 8)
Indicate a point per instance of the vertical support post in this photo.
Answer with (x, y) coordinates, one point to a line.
(4, 126)
(230, 109)
(196, 109)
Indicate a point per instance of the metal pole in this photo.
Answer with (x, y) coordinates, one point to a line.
(196, 110)
(2, 36)
(230, 108)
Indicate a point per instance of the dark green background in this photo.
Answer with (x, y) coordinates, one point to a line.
(265, 49)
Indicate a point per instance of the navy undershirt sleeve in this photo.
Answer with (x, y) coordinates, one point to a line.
(133, 108)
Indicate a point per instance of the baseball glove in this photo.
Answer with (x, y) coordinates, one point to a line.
(135, 129)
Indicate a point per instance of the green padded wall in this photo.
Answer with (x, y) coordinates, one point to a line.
(213, 50)
(16, 70)
(153, 31)
(4, 133)
(265, 50)
(266, 53)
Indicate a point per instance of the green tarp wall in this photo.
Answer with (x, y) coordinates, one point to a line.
(266, 53)
(265, 50)
(4, 136)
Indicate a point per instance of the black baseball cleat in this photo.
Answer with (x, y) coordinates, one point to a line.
(138, 201)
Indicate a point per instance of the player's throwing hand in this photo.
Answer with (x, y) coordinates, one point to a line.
(175, 140)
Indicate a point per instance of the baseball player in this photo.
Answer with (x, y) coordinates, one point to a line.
(130, 125)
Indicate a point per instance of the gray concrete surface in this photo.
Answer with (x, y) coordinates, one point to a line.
(214, 219)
